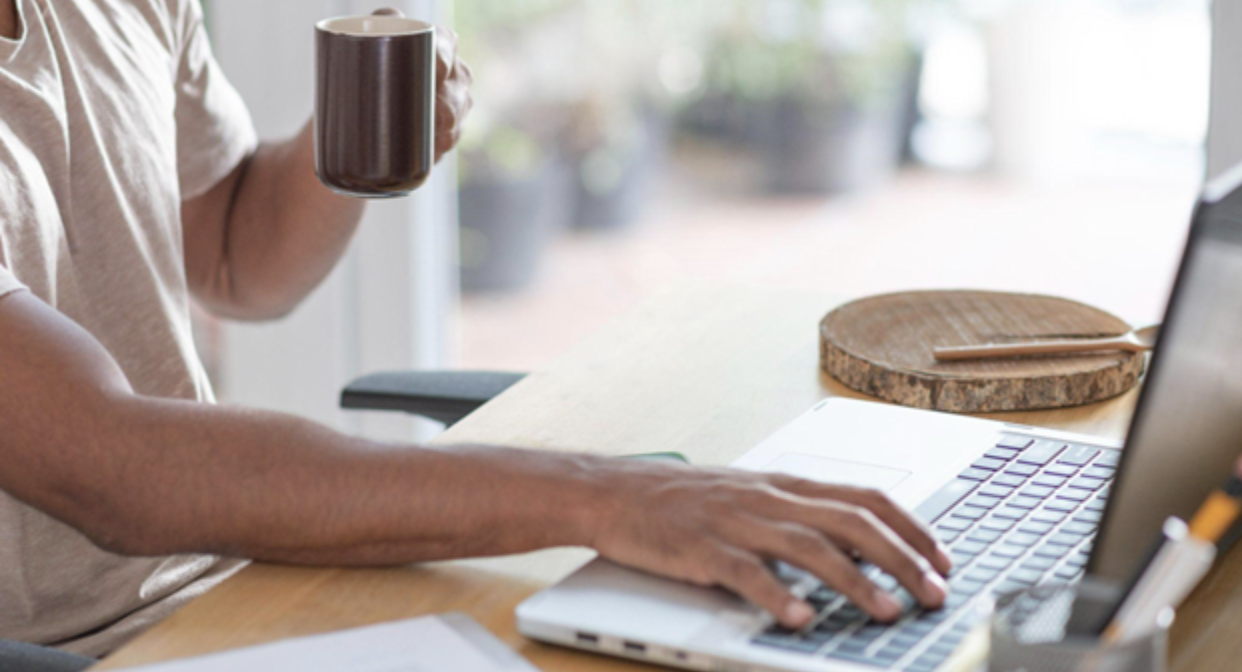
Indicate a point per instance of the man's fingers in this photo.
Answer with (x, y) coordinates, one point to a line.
(854, 528)
(858, 528)
(808, 549)
(913, 531)
(745, 574)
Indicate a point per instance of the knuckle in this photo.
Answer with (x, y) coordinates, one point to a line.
(877, 499)
(743, 569)
(854, 583)
(804, 543)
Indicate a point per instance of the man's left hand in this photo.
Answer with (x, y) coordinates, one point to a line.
(453, 99)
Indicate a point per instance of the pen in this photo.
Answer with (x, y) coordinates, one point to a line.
(1182, 561)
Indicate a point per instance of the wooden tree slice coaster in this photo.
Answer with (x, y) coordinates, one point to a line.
(882, 346)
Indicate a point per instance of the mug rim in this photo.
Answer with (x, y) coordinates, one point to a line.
(417, 27)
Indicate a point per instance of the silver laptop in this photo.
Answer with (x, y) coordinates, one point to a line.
(1016, 505)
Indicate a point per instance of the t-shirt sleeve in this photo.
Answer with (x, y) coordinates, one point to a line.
(8, 282)
(214, 129)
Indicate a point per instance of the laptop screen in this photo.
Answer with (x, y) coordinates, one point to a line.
(1187, 431)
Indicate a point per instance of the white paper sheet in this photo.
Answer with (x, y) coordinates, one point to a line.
(448, 643)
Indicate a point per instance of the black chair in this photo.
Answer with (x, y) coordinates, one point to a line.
(443, 396)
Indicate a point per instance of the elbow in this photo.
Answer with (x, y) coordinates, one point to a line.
(118, 529)
(249, 306)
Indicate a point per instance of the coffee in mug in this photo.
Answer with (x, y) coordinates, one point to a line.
(375, 101)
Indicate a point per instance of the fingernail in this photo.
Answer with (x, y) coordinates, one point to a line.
(798, 614)
(935, 587)
(886, 606)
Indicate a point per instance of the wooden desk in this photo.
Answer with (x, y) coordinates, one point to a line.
(708, 371)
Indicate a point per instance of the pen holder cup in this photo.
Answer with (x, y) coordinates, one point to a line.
(1052, 628)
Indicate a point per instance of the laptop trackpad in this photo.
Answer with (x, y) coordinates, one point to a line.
(842, 472)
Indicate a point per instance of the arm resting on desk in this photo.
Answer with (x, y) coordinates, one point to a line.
(149, 476)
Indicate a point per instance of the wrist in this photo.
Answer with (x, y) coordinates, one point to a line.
(587, 499)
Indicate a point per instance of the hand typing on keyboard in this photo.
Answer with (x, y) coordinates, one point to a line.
(721, 527)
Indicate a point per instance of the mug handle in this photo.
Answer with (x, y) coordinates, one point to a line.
(387, 11)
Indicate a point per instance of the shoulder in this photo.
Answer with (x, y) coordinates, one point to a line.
(170, 20)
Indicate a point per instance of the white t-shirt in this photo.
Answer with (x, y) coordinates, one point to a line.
(111, 113)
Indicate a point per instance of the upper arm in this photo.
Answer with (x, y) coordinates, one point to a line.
(205, 223)
(215, 141)
(56, 384)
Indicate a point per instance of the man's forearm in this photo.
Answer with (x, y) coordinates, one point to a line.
(283, 231)
(273, 487)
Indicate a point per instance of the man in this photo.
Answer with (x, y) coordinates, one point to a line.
(130, 179)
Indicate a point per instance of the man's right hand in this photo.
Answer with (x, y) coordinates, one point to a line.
(718, 527)
(253, 484)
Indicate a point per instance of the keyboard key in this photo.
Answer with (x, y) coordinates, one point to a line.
(1013, 514)
(1006, 587)
(958, 524)
(969, 547)
(992, 490)
(1016, 442)
(1087, 483)
(1022, 539)
(890, 653)
(1062, 539)
(1051, 551)
(983, 502)
(1078, 561)
(1046, 515)
(1037, 491)
(1074, 495)
(1026, 576)
(859, 658)
(907, 639)
(1008, 551)
(1068, 573)
(789, 643)
(1095, 505)
(1049, 481)
(1088, 517)
(1023, 502)
(969, 513)
(1078, 528)
(1061, 505)
(1061, 469)
(997, 562)
(984, 536)
(1036, 528)
(1110, 458)
(1008, 480)
(1039, 563)
(973, 474)
(1005, 454)
(988, 464)
(946, 535)
(1041, 453)
(1078, 455)
(1097, 471)
(1021, 469)
(982, 575)
(918, 626)
(869, 633)
(998, 523)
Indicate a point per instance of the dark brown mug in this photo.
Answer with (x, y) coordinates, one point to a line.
(375, 104)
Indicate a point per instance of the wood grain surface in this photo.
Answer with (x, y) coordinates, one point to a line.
(705, 370)
(882, 346)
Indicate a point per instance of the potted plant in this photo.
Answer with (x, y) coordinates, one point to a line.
(512, 190)
(823, 89)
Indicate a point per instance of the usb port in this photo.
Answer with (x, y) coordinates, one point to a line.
(635, 647)
(588, 638)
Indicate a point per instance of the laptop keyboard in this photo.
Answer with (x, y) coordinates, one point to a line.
(1024, 513)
